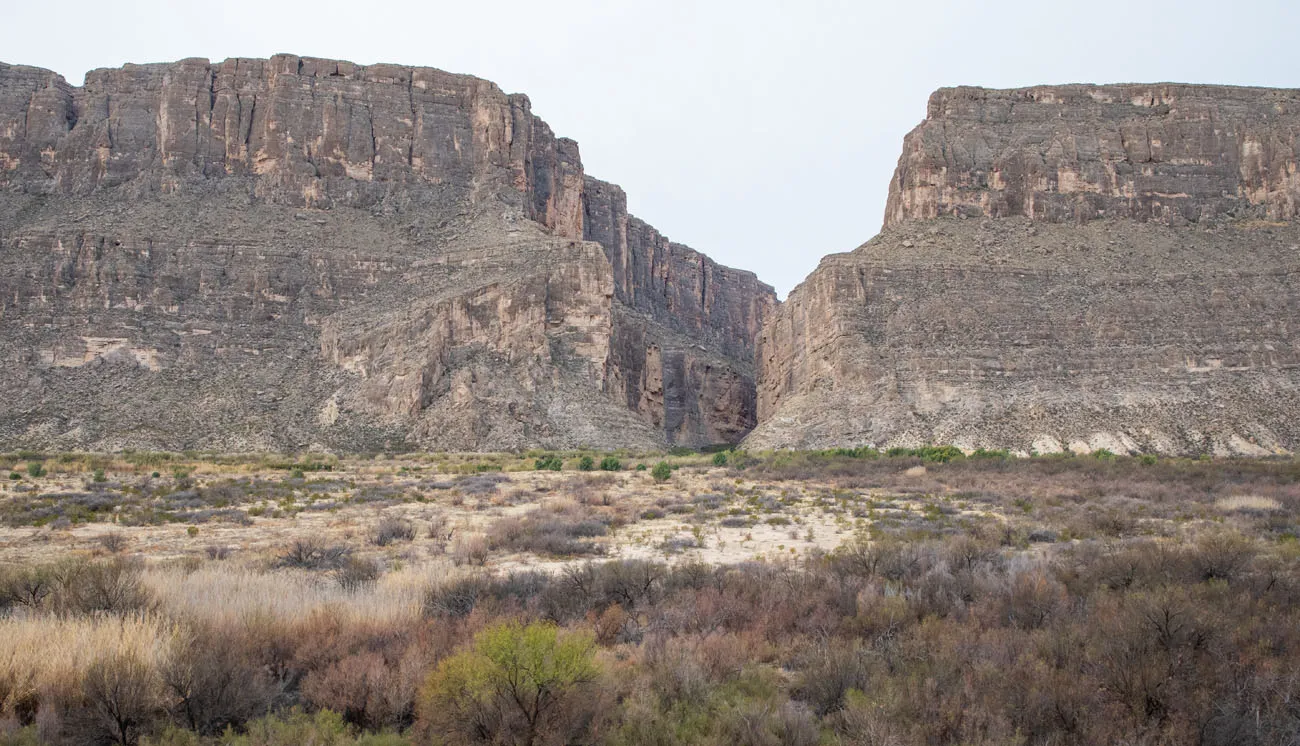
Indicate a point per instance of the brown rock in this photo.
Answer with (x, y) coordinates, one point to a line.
(276, 254)
(1165, 152)
(1148, 307)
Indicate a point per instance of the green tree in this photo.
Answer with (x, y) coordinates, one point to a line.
(586, 463)
(517, 684)
(610, 463)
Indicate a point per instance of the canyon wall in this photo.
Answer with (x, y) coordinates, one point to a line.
(1166, 152)
(1074, 267)
(295, 252)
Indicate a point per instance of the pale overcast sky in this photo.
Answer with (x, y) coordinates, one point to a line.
(762, 133)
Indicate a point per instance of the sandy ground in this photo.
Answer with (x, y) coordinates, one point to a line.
(782, 520)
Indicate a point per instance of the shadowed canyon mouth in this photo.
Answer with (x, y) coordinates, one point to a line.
(296, 253)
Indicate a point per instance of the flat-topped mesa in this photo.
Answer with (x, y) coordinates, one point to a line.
(307, 132)
(1164, 152)
(1134, 292)
(272, 254)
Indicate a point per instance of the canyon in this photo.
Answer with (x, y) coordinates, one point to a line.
(298, 253)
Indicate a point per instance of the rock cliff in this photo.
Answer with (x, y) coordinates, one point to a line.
(1168, 153)
(294, 252)
(1071, 267)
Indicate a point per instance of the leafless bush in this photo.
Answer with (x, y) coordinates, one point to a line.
(392, 529)
(356, 573)
(469, 549)
(313, 554)
(113, 542)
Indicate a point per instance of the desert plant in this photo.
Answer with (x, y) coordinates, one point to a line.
(586, 463)
(517, 684)
(662, 472)
(113, 542)
(720, 458)
(610, 463)
(356, 573)
(392, 529)
(313, 554)
(548, 463)
(35, 469)
(469, 549)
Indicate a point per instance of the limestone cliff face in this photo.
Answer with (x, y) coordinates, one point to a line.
(1168, 153)
(315, 133)
(1062, 268)
(271, 254)
(684, 338)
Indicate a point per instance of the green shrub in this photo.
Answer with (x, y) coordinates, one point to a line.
(548, 463)
(720, 458)
(1148, 459)
(662, 471)
(518, 683)
(586, 463)
(35, 469)
(98, 476)
(15, 475)
(610, 463)
(640, 467)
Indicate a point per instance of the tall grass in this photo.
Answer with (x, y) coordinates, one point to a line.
(227, 594)
(41, 656)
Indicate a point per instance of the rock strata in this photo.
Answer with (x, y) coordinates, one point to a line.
(295, 252)
(1062, 268)
(1168, 153)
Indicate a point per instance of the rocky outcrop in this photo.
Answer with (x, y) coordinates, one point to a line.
(1062, 268)
(1168, 153)
(684, 338)
(284, 253)
(315, 133)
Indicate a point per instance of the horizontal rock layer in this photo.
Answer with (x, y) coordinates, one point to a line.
(1038, 337)
(272, 254)
(1168, 153)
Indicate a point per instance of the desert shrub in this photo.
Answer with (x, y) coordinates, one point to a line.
(610, 463)
(557, 530)
(27, 585)
(586, 463)
(35, 469)
(456, 598)
(549, 463)
(720, 458)
(392, 529)
(121, 697)
(299, 728)
(469, 549)
(113, 542)
(110, 586)
(313, 554)
(214, 680)
(480, 484)
(662, 472)
(356, 573)
(517, 684)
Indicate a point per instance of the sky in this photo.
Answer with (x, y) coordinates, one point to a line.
(761, 133)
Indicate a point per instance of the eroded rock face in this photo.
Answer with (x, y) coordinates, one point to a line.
(1126, 283)
(1168, 153)
(284, 253)
(684, 341)
(315, 133)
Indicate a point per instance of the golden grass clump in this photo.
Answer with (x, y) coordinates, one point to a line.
(42, 656)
